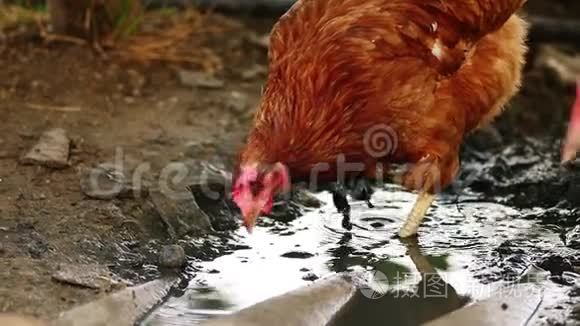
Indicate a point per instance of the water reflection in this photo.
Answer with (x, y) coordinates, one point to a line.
(425, 300)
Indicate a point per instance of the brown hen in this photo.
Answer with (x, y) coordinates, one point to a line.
(423, 72)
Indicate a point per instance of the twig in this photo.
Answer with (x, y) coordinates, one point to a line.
(49, 37)
(54, 108)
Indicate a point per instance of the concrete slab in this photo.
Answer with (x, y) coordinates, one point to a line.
(313, 305)
(122, 308)
(514, 305)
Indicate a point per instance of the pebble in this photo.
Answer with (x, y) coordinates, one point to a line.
(310, 277)
(555, 264)
(51, 150)
(573, 238)
(199, 80)
(104, 182)
(237, 102)
(88, 276)
(181, 214)
(305, 198)
(260, 40)
(254, 72)
(37, 248)
(172, 256)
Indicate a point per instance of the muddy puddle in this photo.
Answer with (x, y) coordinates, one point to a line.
(469, 246)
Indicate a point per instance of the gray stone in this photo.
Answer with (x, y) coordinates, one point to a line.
(180, 213)
(254, 72)
(51, 150)
(260, 40)
(210, 188)
(237, 102)
(305, 198)
(172, 256)
(122, 308)
(317, 304)
(88, 276)
(108, 181)
(199, 80)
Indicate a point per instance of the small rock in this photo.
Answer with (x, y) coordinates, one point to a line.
(40, 196)
(103, 182)
(508, 248)
(254, 72)
(37, 246)
(194, 148)
(209, 191)
(199, 79)
(52, 150)
(260, 40)
(172, 256)
(573, 238)
(180, 213)
(485, 139)
(88, 276)
(575, 292)
(108, 181)
(297, 255)
(310, 277)
(237, 102)
(555, 264)
(305, 198)
(136, 80)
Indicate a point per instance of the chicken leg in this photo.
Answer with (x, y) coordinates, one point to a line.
(427, 176)
(362, 190)
(340, 200)
(417, 214)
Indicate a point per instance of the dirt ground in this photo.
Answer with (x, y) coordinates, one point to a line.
(147, 112)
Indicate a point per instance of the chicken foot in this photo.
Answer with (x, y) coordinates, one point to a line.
(363, 190)
(341, 203)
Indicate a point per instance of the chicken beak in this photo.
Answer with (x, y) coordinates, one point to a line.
(572, 141)
(250, 218)
(569, 150)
